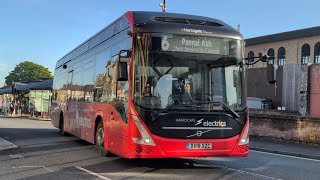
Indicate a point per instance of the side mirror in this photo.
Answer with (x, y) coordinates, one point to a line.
(122, 65)
(124, 54)
(122, 71)
(272, 73)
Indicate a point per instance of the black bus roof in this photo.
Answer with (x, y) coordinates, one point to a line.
(159, 22)
(144, 16)
(182, 24)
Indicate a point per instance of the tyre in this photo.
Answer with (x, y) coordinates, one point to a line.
(61, 126)
(99, 140)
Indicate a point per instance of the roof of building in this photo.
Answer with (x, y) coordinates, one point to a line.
(41, 84)
(5, 90)
(301, 33)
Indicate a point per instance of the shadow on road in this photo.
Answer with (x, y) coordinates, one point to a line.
(120, 166)
(48, 142)
(38, 140)
(28, 133)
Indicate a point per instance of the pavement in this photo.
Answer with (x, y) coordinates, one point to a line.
(26, 116)
(311, 151)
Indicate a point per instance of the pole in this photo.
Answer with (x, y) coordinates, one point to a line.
(163, 6)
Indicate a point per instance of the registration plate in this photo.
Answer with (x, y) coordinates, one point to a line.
(199, 146)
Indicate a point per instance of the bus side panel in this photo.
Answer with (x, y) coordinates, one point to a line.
(70, 119)
(80, 117)
(91, 112)
(87, 118)
(116, 130)
(117, 133)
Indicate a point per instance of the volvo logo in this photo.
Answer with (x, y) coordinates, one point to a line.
(199, 133)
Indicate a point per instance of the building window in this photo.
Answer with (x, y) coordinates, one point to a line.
(317, 53)
(270, 53)
(305, 54)
(250, 59)
(281, 56)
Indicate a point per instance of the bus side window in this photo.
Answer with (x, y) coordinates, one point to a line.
(88, 79)
(101, 87)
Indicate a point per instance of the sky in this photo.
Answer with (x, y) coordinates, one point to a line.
(43, 31)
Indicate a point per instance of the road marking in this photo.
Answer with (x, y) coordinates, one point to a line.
(146, 174)
(16, 156)
(35, 167)
(92, 173)
(283, 155)
(247, 172)
(236, 170)
(4, 144)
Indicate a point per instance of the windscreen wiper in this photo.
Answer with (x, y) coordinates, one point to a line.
(234, 114)
(224, 62)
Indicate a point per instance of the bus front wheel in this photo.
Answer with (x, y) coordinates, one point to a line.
(99, 139)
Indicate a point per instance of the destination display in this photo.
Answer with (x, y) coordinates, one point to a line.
(195, 44)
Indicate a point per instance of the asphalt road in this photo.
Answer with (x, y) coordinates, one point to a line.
(37, 151)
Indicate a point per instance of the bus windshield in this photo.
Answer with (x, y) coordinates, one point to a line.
(188, 73)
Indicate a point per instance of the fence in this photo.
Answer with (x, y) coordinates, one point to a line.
(314, 76)
(289, 92)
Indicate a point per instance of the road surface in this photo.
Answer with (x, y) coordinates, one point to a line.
(31, 149)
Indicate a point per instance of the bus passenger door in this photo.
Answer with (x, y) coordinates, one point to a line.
(118, 131)
(68, 109)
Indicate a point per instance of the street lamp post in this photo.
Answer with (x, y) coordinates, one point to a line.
(13, 86)
(163, 6)
(14, 90)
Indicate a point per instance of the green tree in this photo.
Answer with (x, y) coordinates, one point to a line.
(27, 71)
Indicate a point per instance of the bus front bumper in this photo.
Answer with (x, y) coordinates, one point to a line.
(175, 148)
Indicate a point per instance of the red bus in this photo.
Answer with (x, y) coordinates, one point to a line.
(156, 85)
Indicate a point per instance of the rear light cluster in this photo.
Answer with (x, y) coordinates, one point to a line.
(245, 136)
(146, 138)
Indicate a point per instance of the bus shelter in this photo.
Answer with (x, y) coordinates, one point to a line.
(5, 98)
(39, 102)
(40, 98)
(32, 97)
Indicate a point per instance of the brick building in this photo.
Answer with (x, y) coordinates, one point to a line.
(293, 47)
